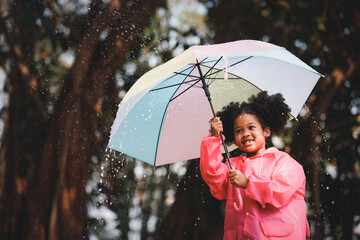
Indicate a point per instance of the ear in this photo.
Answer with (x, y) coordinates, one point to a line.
(267, 132)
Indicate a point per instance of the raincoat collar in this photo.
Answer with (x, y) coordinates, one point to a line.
(268, 151)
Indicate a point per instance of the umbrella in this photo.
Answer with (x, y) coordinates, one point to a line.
(164, 116)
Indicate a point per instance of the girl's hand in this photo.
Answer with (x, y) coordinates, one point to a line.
(216, 127)
(238, 179)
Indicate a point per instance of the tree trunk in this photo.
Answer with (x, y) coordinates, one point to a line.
(195, 214)
(57, 202)
(45, 157)
(305, 147)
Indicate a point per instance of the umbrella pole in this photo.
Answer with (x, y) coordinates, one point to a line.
(207, 93)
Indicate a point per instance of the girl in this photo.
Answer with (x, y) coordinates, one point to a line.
(270, 182)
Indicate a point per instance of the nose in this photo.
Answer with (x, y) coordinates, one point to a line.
(246, 134)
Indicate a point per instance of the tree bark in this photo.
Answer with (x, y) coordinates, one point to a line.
(195, 214)
(305, 148)
(43, 188)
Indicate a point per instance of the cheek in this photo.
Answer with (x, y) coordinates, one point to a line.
(237, 138)
(261, 139)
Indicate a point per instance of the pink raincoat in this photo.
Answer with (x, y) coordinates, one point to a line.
(273, 201)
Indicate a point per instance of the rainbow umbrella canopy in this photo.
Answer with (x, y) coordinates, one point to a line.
(164, 116)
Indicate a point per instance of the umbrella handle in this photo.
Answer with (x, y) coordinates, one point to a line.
(238, 195)
(226, 150)
(207, 94)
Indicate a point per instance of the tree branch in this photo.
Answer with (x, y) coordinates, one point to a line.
(98, 23)
(115, 53)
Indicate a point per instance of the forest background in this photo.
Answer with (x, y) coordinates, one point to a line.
(66, 64)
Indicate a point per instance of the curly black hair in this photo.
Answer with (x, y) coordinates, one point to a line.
(271, 111)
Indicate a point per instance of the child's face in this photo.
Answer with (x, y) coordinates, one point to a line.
(249, 135)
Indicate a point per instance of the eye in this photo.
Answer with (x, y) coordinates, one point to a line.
(238, 131)
(251, 127)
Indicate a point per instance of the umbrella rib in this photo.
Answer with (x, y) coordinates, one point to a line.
(212, 80)
(193, 65)
(184, 74)
(173, 98)
(212, 67)
(187, 74)
(232, 78)
(243, 60)
(219, 70)
(173, 85)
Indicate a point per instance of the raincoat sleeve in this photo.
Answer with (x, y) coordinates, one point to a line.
(214, 172)
(287, 178)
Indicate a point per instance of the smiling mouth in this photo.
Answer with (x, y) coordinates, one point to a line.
(248, 142)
